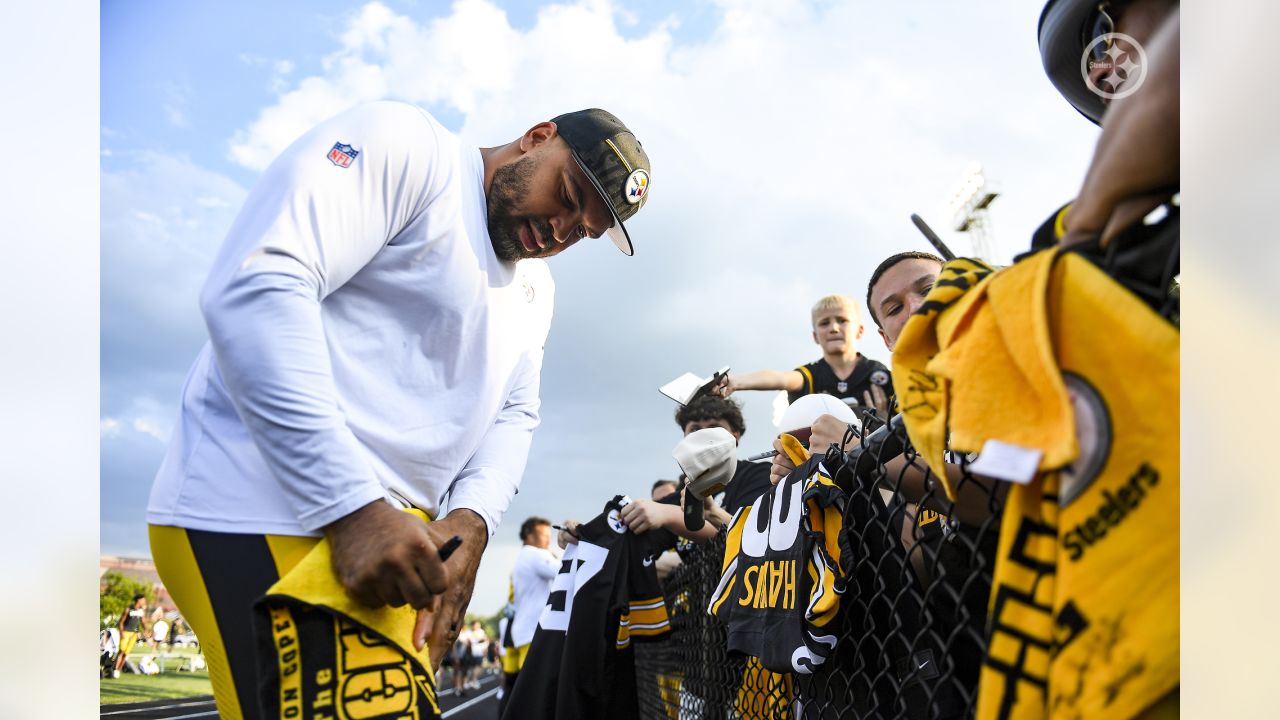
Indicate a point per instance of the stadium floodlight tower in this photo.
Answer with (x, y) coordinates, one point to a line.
(970, 207)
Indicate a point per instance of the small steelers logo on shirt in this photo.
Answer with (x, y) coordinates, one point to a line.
(880, 377)
(615, 522)
(637, 186)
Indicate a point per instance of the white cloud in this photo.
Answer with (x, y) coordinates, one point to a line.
(150, 427)
(175, 115)
(163, 218)
(382, 55)
(176, 96)
(212, 201)
(280, 70)
(144, 415)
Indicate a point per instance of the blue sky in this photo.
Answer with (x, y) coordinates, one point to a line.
(790, 141)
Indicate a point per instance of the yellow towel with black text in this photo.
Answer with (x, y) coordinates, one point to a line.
(1052, 354)
(335, 659)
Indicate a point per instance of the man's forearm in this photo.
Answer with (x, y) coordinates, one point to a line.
(674, 521)
(789, 380)
(477, 531)
(492, 476)
(977, 497)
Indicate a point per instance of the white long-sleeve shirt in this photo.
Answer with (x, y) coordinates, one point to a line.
(365, 341)
(531, 577)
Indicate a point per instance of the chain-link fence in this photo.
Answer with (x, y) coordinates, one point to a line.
(915, 574)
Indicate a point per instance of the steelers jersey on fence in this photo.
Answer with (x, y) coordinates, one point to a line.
(779, 590)
(581, 662)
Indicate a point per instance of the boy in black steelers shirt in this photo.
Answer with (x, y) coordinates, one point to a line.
(842, 371)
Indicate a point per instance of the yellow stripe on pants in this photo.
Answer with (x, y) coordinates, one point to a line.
(178, 570)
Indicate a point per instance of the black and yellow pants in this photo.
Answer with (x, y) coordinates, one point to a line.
(214, 578)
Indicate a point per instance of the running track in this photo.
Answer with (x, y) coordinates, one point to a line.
(479, 704)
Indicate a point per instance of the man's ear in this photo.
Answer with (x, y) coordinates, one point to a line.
(538, 135)
(885, 338)
(737, 437)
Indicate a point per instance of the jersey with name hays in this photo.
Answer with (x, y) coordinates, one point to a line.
(779, 591)
(581, 663)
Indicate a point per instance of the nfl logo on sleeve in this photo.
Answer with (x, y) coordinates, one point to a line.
(342, 155)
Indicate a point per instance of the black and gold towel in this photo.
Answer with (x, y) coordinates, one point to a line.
(324, 656)
(1054, 356)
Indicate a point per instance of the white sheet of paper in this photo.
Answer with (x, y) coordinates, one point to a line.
(682, 388)
(685, 387)
(1007, 461)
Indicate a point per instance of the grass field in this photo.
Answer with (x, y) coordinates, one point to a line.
(137, 688)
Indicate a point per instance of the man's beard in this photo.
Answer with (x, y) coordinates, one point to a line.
(511, 185)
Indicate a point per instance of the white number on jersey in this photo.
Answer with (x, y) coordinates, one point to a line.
(585, 560)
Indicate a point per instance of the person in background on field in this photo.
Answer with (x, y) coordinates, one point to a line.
(531, 577)
(131, 625)
(460, 654)
(479, 650)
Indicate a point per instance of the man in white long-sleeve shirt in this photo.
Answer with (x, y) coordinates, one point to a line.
(531, 575)
(376, 318)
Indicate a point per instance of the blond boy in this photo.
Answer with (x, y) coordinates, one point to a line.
(842, 371)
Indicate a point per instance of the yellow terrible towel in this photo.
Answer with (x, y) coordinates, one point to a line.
(1084, 606)
(992, 331)
(335, 658)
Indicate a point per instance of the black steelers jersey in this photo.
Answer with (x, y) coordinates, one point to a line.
(820, 378)
(750, 481)
(581, 663)
(779, 590)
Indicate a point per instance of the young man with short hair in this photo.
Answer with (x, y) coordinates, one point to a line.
(842, 371)
(897, 288)
(662, 488)
(750, 480)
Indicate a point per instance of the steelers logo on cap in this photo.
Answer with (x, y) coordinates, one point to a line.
(637, 185)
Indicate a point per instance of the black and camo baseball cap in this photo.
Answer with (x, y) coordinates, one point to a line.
(613, 159)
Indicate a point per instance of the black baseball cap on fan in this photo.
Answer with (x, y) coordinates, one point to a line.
(613, 160)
